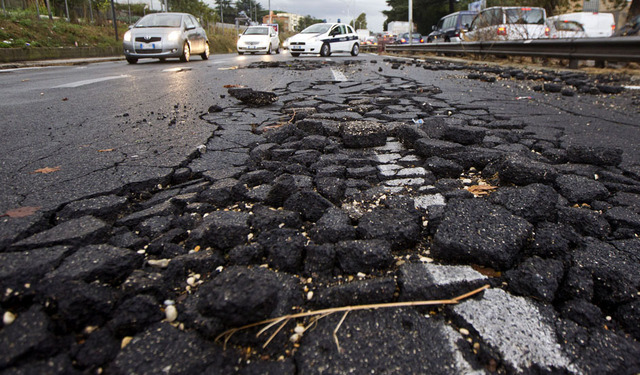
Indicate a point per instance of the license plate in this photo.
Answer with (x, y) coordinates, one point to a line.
(252, 47)
(149, 46)
(297, 48)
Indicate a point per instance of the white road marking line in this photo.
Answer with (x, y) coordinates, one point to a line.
(18, 69)
(90, 81)
(176, 69)
(338, 76)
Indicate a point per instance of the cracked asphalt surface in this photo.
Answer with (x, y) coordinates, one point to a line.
(147, 210)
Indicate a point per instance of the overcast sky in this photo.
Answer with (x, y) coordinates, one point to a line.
(332, 10)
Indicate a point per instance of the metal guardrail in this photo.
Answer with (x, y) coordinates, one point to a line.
(600, 49)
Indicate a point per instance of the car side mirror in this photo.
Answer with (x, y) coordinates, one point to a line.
(190, 27)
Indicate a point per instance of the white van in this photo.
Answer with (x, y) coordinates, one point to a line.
(595, 25)
(508, 23)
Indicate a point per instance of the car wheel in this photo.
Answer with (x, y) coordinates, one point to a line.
(132, 60)
(240, 53)
(269, 50)
(295, 54)
(355, 49)
(163, 59)
(446, 39)
(325, 50)
(205, 54)
(278, 50)
(186, 53)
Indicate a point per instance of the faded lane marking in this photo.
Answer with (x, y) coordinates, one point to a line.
(338, 76)
(90, 81)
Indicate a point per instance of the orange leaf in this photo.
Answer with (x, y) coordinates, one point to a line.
(231, 86)
(107, 150)
(481, 189)
(21, 212)
(47, 170)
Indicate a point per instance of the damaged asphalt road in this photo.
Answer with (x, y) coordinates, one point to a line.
(409, 181)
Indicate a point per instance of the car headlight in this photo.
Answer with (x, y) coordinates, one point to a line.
(127, 36)
(173, 36)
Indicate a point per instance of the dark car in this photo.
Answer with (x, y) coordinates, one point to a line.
(415, 39)
(449, 27)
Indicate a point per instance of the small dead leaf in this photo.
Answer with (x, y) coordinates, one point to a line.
(107, 150)
(229, 68)
(26, 80)
(65, 99)
(47, 170)
(478, 190)
(276, 126)
(232, 86)
(21, 212)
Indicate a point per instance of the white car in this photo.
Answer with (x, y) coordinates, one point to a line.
(325, 39)
(559, 29)
(508, 23)
(595, 25)
(258, 39)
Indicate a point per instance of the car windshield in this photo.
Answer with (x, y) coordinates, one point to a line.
(466, 19)
(257, 31)
(525, 15)
(160, 20)
(318, 28)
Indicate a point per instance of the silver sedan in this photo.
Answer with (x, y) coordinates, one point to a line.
(163, 35)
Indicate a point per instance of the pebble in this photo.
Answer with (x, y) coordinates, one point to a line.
(309, 295)
(125, 341)
(294, 338)
(160, 263)
(464, 331)
(171, 313)
(299, 329)
(8, 318)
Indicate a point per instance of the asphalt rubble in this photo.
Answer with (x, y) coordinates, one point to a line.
(328, 194)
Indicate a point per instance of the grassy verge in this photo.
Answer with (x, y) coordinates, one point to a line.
(25, 30)
(20, 30)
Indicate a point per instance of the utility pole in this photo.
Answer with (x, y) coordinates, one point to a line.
(49, 10)
(410, 21)
(38, 8)
(90, 10)
(270, 20)
(113, 17)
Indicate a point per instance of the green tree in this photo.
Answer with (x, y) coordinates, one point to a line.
(307, 21)
(196, 7)
(425, 13)
(229, 12)
(250, 7)
(360, 22)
